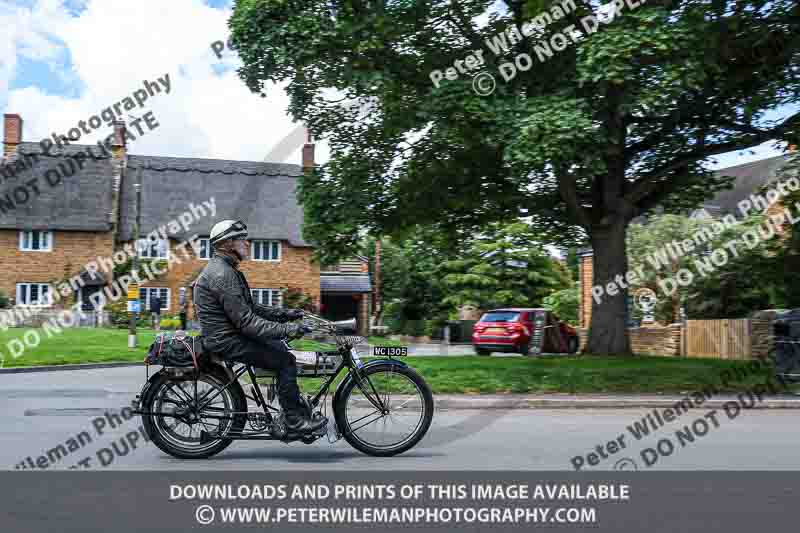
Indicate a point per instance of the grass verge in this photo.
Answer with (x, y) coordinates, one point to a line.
(99, 345)
(452, 374)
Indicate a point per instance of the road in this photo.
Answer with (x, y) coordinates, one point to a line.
(41, 411)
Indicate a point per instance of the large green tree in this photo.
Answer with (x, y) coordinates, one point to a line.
(655, 249)
(409, 275)
(583, 142)
(505, 266)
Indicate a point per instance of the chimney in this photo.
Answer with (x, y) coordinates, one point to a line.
(308, 152)
(12, 130)
(119, 134)
(119, 164)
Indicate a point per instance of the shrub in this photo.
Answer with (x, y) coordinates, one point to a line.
(435, 328)
(415, 328)
(4, 303)
(564, 303)
(118, 314)
(295, 298)
(170, 323)
(391, 317)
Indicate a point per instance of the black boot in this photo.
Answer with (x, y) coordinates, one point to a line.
(297, 411)
(298, 421)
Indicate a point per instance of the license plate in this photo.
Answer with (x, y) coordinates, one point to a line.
(496, 330)
(390, 351)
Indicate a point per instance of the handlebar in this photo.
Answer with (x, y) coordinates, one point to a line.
(344, 330)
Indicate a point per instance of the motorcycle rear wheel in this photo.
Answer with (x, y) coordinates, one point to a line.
(180, 437)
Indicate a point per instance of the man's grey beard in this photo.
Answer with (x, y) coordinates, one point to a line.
(229, 250)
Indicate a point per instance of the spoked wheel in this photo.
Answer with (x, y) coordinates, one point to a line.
(179, 435)
(393, 425)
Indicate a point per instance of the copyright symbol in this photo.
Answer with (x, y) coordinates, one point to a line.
(483, 84)
(626, 464)
(204, 515)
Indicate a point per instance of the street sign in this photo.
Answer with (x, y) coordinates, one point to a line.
(133, 292)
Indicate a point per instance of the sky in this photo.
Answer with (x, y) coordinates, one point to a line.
(62, 61)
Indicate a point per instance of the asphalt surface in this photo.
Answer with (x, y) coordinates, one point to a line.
(40, 411)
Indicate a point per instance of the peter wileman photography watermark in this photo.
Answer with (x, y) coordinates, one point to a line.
(484, 83)
(20, 193)
(219, 46)
(109, 116)
(77, 443)
(690, 432)
(645, 299)
(716, 258)
(150, 271)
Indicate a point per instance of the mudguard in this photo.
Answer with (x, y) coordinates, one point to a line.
(209, 366)
(344, 383)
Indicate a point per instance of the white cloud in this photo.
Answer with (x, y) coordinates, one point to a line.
(114, 45)
(740, 157)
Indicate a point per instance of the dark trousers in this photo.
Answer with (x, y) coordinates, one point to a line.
(272, 355)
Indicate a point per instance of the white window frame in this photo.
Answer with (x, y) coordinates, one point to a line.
(271, 296)
(210, 248)
(27, 235)
(268, 245)
(145, 246)
(25, 287)
(165, 306)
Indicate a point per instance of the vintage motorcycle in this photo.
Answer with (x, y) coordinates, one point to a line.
(196, 409)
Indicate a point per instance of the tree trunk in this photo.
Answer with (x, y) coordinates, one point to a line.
(676, 308)
(608, 330)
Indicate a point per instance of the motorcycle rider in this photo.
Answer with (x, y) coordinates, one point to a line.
(242, 331)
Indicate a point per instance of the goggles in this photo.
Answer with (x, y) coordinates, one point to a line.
(237, 231)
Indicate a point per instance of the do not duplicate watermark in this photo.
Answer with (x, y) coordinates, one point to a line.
(484, 83)
(718, 257)
(690, 432)
(114, 292)
(77, 443)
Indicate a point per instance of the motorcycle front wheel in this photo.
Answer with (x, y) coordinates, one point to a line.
(397, 426)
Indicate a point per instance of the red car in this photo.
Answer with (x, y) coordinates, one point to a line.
(523, 330)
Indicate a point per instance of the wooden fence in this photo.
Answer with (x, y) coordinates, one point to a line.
(718, 339)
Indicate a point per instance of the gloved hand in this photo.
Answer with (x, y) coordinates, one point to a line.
(295, 331)
(295, 314)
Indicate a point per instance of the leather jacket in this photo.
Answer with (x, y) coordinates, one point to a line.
(226, 311)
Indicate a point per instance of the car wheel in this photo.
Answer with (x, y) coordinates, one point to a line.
(483, 351)
(573, 345)
(525, 349)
